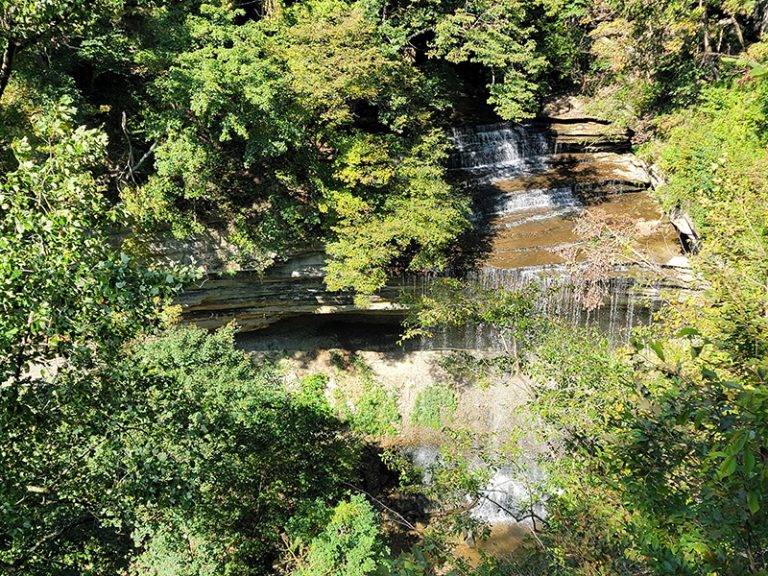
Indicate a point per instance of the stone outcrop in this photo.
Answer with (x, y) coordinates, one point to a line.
(582, 135)
(529, 182)
(288, 289)
(575, 130)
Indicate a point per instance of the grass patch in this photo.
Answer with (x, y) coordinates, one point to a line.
(365, 403)
(434, 406)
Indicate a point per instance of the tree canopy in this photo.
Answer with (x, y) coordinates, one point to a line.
(133, 444)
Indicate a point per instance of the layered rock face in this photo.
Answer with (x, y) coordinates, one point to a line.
(529, 181)
(289, 289)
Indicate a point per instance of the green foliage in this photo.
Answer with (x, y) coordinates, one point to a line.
(652, 57)
(261, 123)
(312, 392)
(69, 303)
(581, 381)
(26, 22)
(174, 448)
(717, 167)
(350, 544)
(367, 405)
(500, 36)
(421, 219)
(451, 302)
(661, 458)
(434, 407)
(67, 295)
(32, 24)
(656, 462)
(190, 460)
(230, 457)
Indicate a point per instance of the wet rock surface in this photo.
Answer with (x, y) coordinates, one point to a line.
(530, 183)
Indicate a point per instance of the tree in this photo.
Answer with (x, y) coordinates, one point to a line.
(67, 294)
(69, 303)
(499, 36)
(299, 127)
(349, 545)
(216, 459)
(25, 24)
(119, 452)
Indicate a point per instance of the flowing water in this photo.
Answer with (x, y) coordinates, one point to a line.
(496, 147)
(527, 196)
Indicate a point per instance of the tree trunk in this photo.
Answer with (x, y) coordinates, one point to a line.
(705, 25)
(7, 65)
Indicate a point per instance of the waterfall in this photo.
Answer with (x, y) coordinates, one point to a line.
(498, 145)
(523, 190)
(531, 199)
(497, 152)
(627, 304)
(504, 497)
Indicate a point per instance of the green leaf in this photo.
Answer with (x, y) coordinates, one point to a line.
(753, 502)
(709, 374)
(749, 461)
(728, 467)
(733, 386)
(658, 349)
(696, 351)
(687, 331)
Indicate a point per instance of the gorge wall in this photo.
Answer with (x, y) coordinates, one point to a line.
(528, 181)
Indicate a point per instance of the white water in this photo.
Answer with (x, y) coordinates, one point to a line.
(535, 198)
(498, 145)
(507, 496)
(493, 153)
(498, 152)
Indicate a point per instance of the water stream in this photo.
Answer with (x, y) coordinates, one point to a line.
(526, 198)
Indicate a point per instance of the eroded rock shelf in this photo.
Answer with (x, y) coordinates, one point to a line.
(529, 181)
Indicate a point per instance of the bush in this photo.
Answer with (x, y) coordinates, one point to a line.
(434, 406)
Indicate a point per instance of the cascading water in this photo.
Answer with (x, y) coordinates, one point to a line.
(626, 305)
(516, 159)
(498, 145)
(505, 498)
(496, 151)
(526, 195)
(520, 194)
(552, 198)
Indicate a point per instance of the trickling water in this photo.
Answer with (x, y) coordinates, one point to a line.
(498, 145)
(519, 158)
(505, 498)
(626, 305)
(562, 197)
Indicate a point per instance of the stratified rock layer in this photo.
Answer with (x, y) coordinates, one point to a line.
(530, 182)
